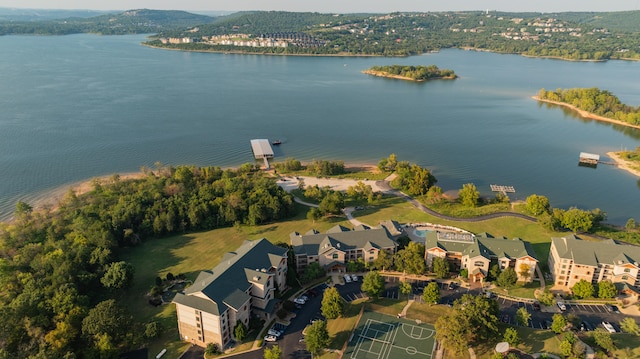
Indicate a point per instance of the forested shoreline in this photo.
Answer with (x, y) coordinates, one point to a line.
(60, 273)
(594, 101)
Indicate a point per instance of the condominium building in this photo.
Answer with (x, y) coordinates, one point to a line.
(242, 285)
(572, 259)
(478, 253)
(339, 245)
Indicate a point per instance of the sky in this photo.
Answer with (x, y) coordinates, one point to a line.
(332, 6)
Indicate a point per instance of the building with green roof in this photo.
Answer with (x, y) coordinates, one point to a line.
(572, 259)
(477, 253)
(332, 250)
(241, 285)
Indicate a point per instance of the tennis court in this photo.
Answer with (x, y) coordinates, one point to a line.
(380, 336)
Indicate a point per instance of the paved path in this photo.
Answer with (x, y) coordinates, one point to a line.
(383, 186)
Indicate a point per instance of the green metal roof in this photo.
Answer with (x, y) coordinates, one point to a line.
(591, 252)
(341, 239)
(483, 245)
(224, 284)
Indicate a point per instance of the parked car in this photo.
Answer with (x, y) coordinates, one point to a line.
(347, 278)
(270, 338)
(452, 286)
(562, 306)
(585, 327)
(536, 306)
(274, 332)
(505, 318)
(609, 327)
(354, 277)
(299, 301)
(304, 297)
(614, 309)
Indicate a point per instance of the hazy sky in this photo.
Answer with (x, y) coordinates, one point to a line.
(342, 6)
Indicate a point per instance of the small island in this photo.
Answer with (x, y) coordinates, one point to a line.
(411, 73)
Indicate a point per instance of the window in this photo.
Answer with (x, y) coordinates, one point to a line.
(197, 319)
(198, 325)
(479, 264)
(335, 256)
(627, 270)
(624, 277)
(564, 266)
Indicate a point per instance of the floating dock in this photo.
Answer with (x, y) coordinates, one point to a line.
(503, 189)
(262, 150)
(589, 158)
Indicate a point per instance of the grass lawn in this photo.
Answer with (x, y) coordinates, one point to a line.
(526, 291)
(190, 254)
(340, 328)
(386, 306)
(532, 341)
(427, 313)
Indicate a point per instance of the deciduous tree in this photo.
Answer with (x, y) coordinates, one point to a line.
(523, 316)
(537, 205)
(273, 353)
(629, 325)
(508, 278)
(373, 284)
(511, 336)
(405, 288)
(332, 303)
(431, 294)
(317, 337)
(440, 267)
(240, 331)
(603, 339)
(583, 289)
(606, 289)
(559, 323)
(118, 275)
(469, 195)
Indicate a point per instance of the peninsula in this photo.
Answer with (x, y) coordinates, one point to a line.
(411, 73)
(600, 105)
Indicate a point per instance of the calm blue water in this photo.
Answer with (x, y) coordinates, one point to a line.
(81, 106)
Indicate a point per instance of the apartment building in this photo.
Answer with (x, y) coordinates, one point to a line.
(242, 285)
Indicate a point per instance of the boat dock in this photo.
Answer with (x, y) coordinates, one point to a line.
(503, 189)
(262, 150)
(589, 158)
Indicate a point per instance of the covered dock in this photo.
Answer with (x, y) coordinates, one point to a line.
(262, 150)
(589, 158)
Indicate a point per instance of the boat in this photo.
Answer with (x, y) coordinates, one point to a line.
(276, 142)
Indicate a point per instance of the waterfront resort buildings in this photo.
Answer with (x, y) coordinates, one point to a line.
(339, 245)
(241, 286)
(477, 253)
(572, 259)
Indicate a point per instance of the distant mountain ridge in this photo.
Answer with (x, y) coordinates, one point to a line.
(135, 21)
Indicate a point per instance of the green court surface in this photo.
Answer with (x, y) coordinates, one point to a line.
(380, 336)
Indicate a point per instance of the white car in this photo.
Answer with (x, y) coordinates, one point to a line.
(347, 278)
(562, 306)
(304, 297)
(274, 332)
(270, 338)
(299, 301)
(354, 277)
(609, 327)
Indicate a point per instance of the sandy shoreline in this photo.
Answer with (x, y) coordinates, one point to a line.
(52, 198)
(586, 114)
(623, 164)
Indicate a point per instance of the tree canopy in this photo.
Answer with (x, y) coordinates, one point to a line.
(332, 303)
(415, 73)
(317, 337)
(373, 284)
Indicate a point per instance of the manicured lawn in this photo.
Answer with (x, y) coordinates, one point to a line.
(427, 313)
(526, 291)
(532, 341)
(340, 328)
(387, 306)
(190, 254)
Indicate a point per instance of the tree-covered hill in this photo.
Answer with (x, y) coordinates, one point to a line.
(128, 22)
(566, 36)
(625, 21)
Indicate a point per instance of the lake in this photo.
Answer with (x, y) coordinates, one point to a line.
(76, 107)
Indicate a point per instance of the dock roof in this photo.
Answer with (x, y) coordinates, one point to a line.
(261, 149)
